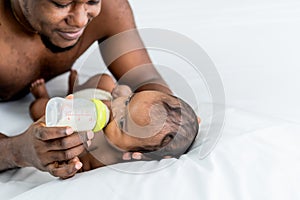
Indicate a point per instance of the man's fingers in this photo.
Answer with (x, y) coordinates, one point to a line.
(65, 169)
(49, 133)
(86, 136)
(66, 154)
(71, 141)
(65, 148)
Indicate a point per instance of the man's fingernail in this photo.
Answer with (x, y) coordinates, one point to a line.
(70, 96)
(89, 142)
(69, 131)
(78, 165)
(126, 156)
(90, 135)
(137, 156)
(199, 120)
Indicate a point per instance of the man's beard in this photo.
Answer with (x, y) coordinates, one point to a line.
(54, 48)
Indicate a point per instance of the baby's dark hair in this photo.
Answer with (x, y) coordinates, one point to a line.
(180, 130)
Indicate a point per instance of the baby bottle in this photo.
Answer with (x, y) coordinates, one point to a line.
(78, 113)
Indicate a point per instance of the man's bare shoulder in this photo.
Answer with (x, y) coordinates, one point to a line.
(116, 16)
(2, 6)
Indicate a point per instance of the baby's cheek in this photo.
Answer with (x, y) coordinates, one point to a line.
(118, 107)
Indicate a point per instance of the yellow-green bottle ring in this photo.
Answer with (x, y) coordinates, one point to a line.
(101, 115)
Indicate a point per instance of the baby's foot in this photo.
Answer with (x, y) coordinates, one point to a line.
(38, 89)
(72, 80)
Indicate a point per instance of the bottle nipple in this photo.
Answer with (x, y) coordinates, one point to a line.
(103, 114)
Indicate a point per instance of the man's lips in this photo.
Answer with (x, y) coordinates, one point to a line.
(70, 35)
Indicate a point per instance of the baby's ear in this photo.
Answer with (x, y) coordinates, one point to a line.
(121, 91)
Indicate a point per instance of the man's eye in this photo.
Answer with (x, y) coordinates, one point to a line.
(93, 2)
(61, 5)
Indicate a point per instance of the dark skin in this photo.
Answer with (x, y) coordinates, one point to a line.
(24, 58)
(106, 151)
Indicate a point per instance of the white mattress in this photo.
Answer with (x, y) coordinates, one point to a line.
(254, 46)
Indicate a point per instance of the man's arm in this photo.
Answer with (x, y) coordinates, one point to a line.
(124, 52)
(125, 55)
(6, 157)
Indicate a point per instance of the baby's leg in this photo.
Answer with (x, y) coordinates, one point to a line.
(99, 81)
(38, 106)
(72, 81)
(105, 82)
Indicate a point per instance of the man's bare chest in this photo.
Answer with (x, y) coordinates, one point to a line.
(22, 62)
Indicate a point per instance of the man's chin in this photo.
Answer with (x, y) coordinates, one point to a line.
(54, 48)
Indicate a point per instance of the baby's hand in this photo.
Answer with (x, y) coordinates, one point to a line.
(135, 156)
(121, 91)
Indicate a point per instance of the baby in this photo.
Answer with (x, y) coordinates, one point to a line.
(153, 123)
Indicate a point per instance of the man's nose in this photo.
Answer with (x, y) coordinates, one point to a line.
(79, 16)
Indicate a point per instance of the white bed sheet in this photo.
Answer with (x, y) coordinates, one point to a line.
(254, 45)
(257, 158)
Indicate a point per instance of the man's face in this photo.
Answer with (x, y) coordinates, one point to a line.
(60, 22)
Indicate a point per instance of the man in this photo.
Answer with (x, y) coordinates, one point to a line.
(42, 39)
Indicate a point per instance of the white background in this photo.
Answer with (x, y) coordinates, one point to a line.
(254, 44)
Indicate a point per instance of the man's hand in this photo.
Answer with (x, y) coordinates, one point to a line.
(52, 149)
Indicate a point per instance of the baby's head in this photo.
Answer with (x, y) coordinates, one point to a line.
(153, 123)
